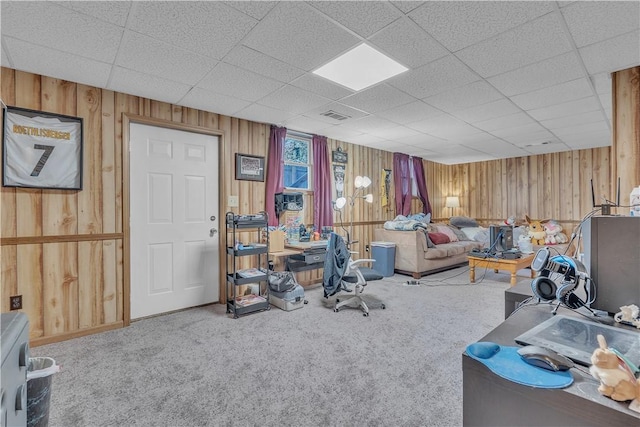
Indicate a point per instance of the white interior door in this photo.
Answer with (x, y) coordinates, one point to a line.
(174, 224)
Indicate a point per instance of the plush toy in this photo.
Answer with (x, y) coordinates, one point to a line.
(524, 243)
(554, 234)
(617, 381)
(629, 314)
(536, 230)
(510, 221)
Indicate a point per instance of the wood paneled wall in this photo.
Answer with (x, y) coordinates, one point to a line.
(64, 251)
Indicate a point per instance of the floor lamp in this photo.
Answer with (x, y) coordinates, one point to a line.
(452, 202)
(361, 182)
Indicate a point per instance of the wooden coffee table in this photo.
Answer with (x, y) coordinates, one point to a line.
(511, 265)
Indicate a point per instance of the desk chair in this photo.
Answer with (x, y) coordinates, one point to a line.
(341, 271)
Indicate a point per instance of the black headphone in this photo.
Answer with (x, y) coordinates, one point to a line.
(546, 289)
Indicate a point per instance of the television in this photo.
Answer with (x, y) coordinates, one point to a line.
(500, 238)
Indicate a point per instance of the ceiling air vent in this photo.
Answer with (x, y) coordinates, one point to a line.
(337, 116)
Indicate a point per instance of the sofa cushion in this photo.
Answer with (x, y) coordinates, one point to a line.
(439, 238)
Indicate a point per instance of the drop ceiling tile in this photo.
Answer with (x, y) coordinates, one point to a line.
(377, 98)
(577, 119)
(305, 124)
(115, 12)
(420, 140)
(147, 55)
(293, 100)
(594, 21)
(208, 28)
(363, 18)
(395, 132)
(549, 72)
(421, 152)
(259, 63)
(445, 126)
(369, 124)
(530, 138)
(99, 39)
(146, 85)
(410, 112)
(321, 86)
(491, 110)
(475, 139)
(602, 82)
(365, 139)
(593, 127)
(589, 140)
(471, 95)
(339, 133)
(512, 120)
(407, 6)
(462, 158)
(510, 130)
(53, 63)
(532, 42)
(262, 114)
(459, 24)
(606, 101)
(563, 92)
(435, 77)
(255, 9)
(614, 54)
(4, 59)
(297, 34)
(566, 109)
(548, 148)
(408, 44)
(233, 81)
(500, 149)
(206, 100)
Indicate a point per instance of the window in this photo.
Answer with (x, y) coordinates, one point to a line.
(297, 161)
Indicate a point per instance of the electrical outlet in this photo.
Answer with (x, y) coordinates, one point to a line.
(366, 248)
(233, 201)
(15, 302)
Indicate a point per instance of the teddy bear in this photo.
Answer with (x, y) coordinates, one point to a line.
(536, 230)
(554, 234)
(616, 378)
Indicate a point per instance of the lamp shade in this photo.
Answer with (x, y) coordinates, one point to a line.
(341, 202)
(368, 198)
(452, 202)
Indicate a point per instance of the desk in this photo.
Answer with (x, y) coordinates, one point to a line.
(511, 265)
(285, 260)
(489, 400)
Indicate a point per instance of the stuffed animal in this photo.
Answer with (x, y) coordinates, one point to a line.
(629, 314)
(554, 234)
(536, 230)
(524, 243)
(510, 221)
(617, 381)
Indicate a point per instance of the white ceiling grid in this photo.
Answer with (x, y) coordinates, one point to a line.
(486, 80)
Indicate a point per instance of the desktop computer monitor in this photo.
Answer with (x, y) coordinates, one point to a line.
(500, 238)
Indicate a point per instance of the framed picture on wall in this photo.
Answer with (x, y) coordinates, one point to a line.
(41, 150)
(249, 168)
(339, 156)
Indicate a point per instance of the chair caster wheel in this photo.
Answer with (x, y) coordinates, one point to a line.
(335, 310)
(337, 300)
(383, 306)
(365, 314)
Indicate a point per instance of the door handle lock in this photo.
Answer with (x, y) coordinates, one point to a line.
(212, 232)
(212, 218)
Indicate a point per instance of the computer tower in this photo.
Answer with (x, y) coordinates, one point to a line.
(611, 246)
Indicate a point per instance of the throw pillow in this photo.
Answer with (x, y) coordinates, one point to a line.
(471, 232)
(463, 221)
(459, 233)
(439, 238)
(444, 229)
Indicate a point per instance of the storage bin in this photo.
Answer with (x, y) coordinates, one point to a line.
(289, 300)
(385, 255)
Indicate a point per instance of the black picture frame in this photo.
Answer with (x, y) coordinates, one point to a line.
(249, 168)
(41, 150)
(339, 156)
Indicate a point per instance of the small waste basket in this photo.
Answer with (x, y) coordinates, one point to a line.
(39, 375)
(385, 255)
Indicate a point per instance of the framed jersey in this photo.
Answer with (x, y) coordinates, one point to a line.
(41, 150)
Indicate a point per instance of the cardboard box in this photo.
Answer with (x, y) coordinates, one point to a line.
(276, 241)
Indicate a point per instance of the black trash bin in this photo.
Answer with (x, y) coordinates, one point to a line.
(39, 376)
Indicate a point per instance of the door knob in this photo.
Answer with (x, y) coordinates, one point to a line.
(212, 232)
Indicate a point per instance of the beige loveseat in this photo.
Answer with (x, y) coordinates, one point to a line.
(415, 258)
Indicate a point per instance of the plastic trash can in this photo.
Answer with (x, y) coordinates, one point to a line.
(385, 255)
(39, 376)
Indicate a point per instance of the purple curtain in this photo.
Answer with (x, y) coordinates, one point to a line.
(402, 183)
(275, 165)
(322, 208)
(418, 170)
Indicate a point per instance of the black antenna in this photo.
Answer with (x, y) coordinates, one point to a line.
(618, 197)
(593, 195)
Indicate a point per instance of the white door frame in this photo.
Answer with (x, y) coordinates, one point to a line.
(127, 119)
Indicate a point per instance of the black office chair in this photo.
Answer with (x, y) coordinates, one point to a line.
(343, 274)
